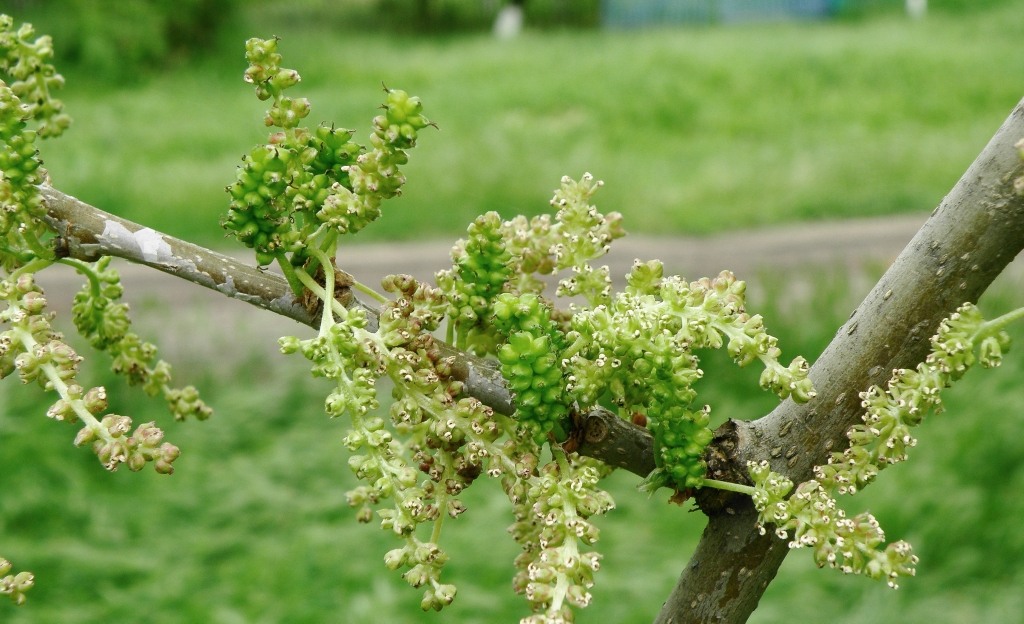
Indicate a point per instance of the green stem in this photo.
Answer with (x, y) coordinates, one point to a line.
(289, 273)
(435, 535)
(320, 293)
(36, 246)
(369, 292)
(997, 324)
(330, 243)
(461, 337)
(311, 285)
(562, 459)
(32, 266)
(328, 290)
(318, 250)
(86, 269)
(730, 487)
(574, 348)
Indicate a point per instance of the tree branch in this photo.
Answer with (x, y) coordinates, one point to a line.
(969, 239)
(87, 233)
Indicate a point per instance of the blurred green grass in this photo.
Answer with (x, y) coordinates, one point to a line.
(253, 526)
(695, 130)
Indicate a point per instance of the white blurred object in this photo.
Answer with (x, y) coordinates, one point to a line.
(509, 22)
(917, 8)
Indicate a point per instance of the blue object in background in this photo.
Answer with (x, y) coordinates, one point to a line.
(633, 13)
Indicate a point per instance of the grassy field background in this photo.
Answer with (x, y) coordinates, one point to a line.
(694, 130)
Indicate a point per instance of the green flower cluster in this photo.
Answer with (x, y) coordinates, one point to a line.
(578, 235)
(258, 216)
(21, 228)
(531, 363)
(583, 235)
(271, 80)
(14, 585)
(811, 518)
(26, 80)
(102, 319)
(810, 514)
(114, 446)
(639, 350)
(680, 437)
(29, 345)
(496, 303)
(435, 443)
(376, 175)
(481, 269)
(306, 187)
(32, 348)
(25, 65)
(511, 256)
(552, 522)
(884, 437)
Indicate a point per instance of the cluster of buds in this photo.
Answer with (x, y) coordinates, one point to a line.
(18, 159)
(479, 274)
(810, 516)
(12, 585)
(29, 346)
(551, 524)
(530, 241)
(424, 560)
(113, 446)
(884, 437)
(509, 256)
(305, 187)
(414, 467)
(257, 216)
(680, 437)
(102, 318)
(25, 60)
(453, 440)
(639, 349)
(583, 234)
(20, 173)
(416, 310)
(271, 80)
(375, 174)
(531, 362)
(30, 342)
(38, 353)
(577, 235)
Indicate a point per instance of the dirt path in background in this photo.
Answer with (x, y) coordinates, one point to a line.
(748, 253)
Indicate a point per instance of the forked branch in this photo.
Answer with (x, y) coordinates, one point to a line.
(968, 241)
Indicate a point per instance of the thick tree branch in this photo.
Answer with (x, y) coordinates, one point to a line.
(969, 239)
(87, 233)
